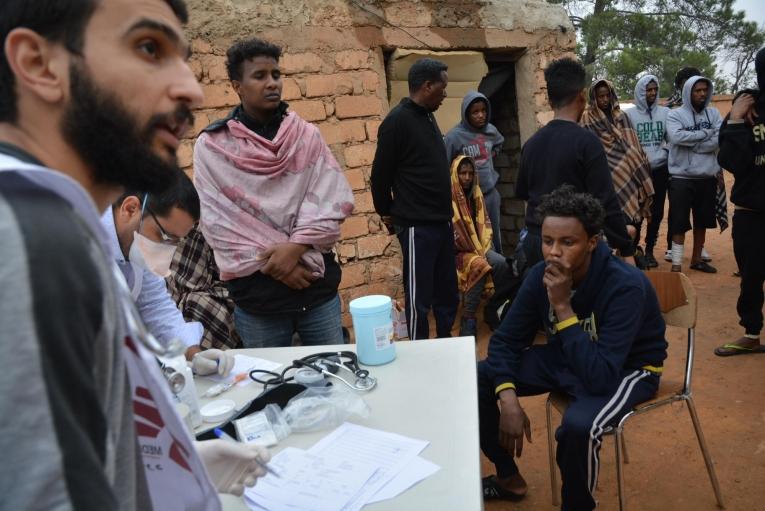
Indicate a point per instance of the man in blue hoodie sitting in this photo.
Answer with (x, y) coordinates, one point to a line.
(605, 349)
(650, 121)
(476, 137)
(693, 130)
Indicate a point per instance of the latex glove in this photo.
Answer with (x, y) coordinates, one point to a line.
(232, 465)
(211, 362)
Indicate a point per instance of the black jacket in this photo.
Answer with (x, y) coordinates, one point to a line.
(742, 153)
(410, 173)
(563, 152)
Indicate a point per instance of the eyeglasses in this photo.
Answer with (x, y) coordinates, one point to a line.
(168, 239)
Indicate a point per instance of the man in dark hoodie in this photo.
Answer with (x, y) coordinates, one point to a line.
(605, 350)
(479, 139)
(742, 153)
(412, 193)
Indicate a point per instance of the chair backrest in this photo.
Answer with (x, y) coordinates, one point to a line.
(677, 297)
(678, 302)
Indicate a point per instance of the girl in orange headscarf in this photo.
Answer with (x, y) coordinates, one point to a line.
(477, 263)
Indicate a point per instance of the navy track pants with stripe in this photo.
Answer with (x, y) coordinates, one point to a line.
(579, 435)
(430, 278)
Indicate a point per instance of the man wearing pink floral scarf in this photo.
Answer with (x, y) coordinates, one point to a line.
(273, 198)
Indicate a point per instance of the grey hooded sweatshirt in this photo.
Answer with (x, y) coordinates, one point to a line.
(650, 123)
(481, 145)
(693, 136)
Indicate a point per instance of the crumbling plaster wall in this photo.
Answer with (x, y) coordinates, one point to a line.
(334, 76)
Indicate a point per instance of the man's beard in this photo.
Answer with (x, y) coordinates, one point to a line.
(110, 141)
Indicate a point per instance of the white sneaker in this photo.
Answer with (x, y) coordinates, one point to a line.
(705, 255)
(668, 256)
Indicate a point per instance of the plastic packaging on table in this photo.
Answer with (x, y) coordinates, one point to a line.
(319, 408)
(266, 427)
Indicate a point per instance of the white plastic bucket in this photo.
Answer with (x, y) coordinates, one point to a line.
(373, 325)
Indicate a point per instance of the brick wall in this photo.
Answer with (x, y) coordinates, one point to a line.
(334, 76)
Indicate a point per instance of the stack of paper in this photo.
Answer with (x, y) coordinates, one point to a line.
(349, 468)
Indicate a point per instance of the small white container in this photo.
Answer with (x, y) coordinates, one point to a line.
(218, 411)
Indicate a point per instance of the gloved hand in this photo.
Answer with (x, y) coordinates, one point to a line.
(211, 362)
(232, 465)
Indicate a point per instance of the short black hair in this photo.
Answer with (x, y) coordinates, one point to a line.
(425, 70)
(61, 21)
(685, 73)
(565, 201)
(181, 194)
(565, 79)
(246, 50)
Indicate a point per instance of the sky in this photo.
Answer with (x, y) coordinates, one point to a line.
(755, 11)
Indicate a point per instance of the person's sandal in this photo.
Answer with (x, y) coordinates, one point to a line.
(703, 266)
(732, 349)
(493, 491)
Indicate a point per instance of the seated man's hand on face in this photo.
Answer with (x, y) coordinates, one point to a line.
(513, 423)
(281, 259)
(558, 280)
(299, 278)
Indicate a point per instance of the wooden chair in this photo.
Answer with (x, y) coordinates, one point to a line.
(678, 302)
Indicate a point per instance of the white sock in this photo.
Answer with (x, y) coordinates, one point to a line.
(677, 254)
(752, 337)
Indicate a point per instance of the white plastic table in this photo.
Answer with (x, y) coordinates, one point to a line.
(428, 392)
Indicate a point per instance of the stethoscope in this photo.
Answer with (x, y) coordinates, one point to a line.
(326, 364)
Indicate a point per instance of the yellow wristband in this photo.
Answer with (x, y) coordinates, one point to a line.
(504, 386)
(561, 325)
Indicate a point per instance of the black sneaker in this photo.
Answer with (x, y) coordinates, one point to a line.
(650, 260)
(704, 267)
(490, 315)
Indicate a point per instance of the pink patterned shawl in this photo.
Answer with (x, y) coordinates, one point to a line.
(256, 192)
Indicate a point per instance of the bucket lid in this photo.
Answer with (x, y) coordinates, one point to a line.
(370, 304)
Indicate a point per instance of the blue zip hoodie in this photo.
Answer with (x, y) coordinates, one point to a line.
(620, 325)
(693, 136)
(650, 123)
(481, 145)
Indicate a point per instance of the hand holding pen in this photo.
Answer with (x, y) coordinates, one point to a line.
(225, 436)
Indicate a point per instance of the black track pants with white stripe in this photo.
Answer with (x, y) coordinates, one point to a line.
(580, 433)
(430, 278)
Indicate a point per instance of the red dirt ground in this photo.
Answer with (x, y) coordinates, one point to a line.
(666, 470)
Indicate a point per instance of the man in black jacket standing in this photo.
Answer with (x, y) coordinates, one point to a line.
(742, 153)
(562, 152)
(411, 189)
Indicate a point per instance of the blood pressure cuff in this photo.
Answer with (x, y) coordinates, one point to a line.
(279, 395)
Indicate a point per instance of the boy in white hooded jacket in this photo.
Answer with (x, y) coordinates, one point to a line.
(693, 131)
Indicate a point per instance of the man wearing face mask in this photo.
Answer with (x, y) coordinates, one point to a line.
(144, 230)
